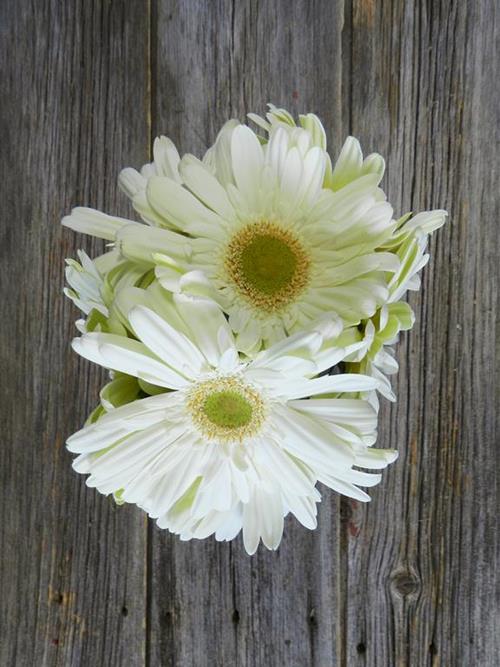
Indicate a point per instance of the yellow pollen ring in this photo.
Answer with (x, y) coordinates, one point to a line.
(268, 264)
(226, 409)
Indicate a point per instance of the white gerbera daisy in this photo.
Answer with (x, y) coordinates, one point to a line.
(229, 445)
(283, 239)
(85, 283)
(93, 286)
(379, 333)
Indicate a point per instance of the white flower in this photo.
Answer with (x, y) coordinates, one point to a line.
(409, 242)
(375, 357)
(379, 334)
(88, 288)
(230, 445)
(85, 284)
(94, 285)
(133, 183)
(350, 164)
(283, 238)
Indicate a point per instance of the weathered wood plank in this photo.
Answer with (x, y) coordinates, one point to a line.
(73, 112)
(408, 580)
(420, 86)
(210, 603)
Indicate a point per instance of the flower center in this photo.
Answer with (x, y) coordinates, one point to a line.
(226, 409)
(268, 264)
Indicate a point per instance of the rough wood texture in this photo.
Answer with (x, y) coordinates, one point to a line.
(410, 579)
(73, 565)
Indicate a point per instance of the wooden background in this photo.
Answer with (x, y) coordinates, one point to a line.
(410, 579)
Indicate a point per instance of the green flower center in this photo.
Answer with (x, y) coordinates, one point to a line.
(228, 409)
(268, 265)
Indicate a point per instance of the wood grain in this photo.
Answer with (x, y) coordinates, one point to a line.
(428, 543)
(74, 82)
(410, 579)
(210, 603)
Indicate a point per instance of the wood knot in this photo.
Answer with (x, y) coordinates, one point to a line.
(405, 583)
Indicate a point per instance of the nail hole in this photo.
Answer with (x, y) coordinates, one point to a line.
(361, 648)
(124, 611)
(236, 616)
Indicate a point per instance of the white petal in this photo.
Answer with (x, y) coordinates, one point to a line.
(351, 382)
(208, 326)
(314, 173)
(361, 478)
(276, 150)
(341, 410)
(294, 353)
(215, 491)
(120, 422)
(377, 261)
(427, 221)
(291, 176)
(176, 204)
(258, 120)
(231, 525)
(122, 464)
(345, 488)
(376, 459)
(262, 517)
(140, 242)
(128, 356)
(272, 519)
(166, 158)
(288, 473)
(206, 187)
(374, 164)
(167, 343)
(95, 223)
(174, 481)
(249, 338)
(219, 155)
(247, 161)
(349, 162)
(131, 182)
(154, 297)
(313, 125)
(251, 527)
(304, 509)
(311, 442)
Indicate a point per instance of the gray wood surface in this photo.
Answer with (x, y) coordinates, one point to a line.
(410, 579)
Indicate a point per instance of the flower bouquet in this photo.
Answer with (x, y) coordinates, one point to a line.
(248, 324)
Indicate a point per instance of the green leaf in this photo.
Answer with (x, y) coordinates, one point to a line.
(120, 391)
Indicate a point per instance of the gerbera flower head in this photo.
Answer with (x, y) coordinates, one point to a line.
(253, 271)
(379, 333)
(85, 283)
(226, 443)
(283, 236)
